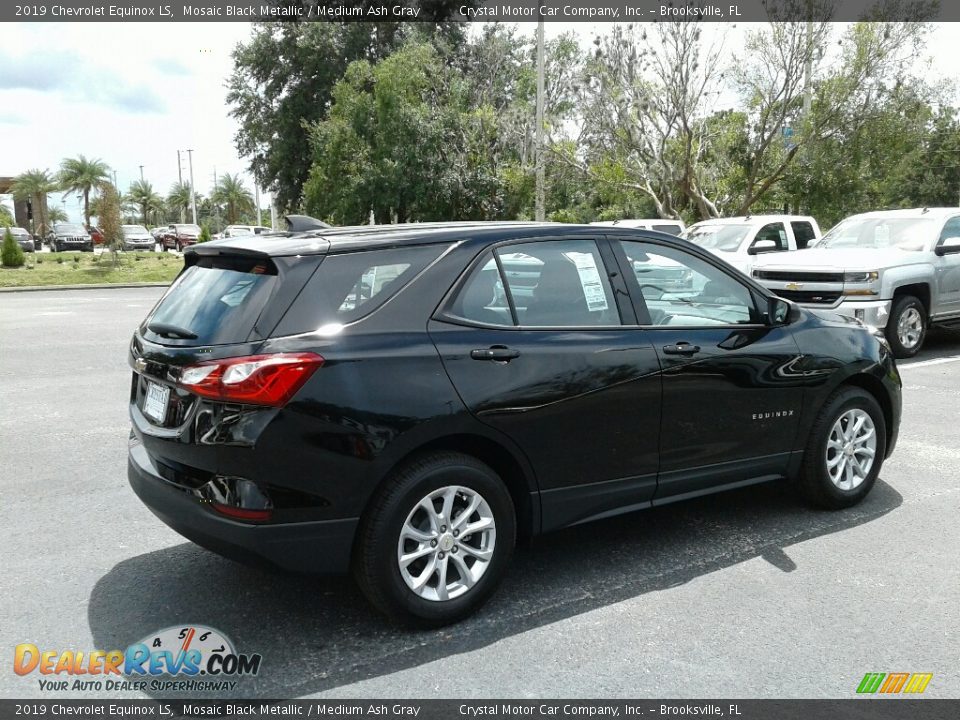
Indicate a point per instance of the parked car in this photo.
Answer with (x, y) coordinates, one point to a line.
(738, 240)
(671, 227)
(358, 398)
(178, 236)
(23, 238)
(69, 236)
(898, 270)
(238, 230)
(137, 237)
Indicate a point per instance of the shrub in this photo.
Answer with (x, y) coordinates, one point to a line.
(204, 234)
(12, 253)
(59, 260)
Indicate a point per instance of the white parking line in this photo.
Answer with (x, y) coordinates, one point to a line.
(935, 361)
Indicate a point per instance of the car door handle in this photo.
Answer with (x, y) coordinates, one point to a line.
(681, 348)
(497, 353)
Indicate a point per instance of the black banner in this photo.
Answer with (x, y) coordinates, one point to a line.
(479, 10)
(854, 708)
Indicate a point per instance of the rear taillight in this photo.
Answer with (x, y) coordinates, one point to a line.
(254, 379)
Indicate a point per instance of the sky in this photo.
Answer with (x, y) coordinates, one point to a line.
(133, 94)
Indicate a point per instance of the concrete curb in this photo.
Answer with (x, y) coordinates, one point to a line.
(98, 286)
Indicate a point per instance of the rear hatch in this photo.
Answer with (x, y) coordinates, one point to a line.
(222, 306)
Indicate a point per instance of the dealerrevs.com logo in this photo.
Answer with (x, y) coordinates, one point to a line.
(180, 658)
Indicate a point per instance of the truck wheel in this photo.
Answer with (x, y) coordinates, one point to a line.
(436, 540)
(907, 326)
(845, 451)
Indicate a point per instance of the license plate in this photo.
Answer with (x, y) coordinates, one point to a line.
(155, 404)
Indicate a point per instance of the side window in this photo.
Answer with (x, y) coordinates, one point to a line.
(951, 229)
(773, 231)
(802, 232)
(558, 283)
(482, 298)
(682, 289)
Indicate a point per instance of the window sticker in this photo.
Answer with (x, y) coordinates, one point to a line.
(589, 280)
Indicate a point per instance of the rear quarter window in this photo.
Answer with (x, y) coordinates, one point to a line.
(348, 286)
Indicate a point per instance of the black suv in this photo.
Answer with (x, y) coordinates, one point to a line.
(69, 236)
(407, 401)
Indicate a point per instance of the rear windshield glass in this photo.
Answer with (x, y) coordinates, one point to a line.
(218, 300)
(671, 229)
(348, 286)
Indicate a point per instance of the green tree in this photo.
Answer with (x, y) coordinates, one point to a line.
(233, 196)
(141, 193)
(284, 76)
(6, 217)
(109, 219)
(81, 175)
(12, 254)
(57, 214)
(179, 199)
(34, 185)
(934, 179)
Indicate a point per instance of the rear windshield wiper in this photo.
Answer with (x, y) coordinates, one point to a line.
(171, 331)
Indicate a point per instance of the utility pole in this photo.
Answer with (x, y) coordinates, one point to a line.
(807, 72)
(141, 174)
(216, 206)
(179, 169)
(540, 211)
(193, 192)
(256, 193)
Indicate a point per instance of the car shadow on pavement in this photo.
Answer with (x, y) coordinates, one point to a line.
(317, 634)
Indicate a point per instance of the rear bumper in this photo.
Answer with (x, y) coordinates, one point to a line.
(310, 547)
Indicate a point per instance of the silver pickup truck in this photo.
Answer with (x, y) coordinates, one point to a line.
(898, 270)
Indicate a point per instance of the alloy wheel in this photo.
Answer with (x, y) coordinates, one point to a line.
(910, 328)
(446, 543)
(851, 449)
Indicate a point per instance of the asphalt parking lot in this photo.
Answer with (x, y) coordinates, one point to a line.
(747, 594)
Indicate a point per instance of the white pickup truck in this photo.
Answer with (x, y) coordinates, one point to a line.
(738, 240)
(898, 270)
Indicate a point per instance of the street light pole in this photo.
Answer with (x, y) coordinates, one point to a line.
(540, 210)
(193, 192)
(141, 174)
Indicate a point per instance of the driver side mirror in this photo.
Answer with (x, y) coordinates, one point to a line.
(779, 311)
(762, 246)
(949, 246)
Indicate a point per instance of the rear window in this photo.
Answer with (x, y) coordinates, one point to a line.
(218, 299)
(803, 233)
(671, 229)
(348, 286)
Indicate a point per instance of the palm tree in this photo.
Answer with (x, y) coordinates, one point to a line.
(141, 192)
(178, 199)
(81, 175)
(57, 214)
(231, 193)
(35, 185)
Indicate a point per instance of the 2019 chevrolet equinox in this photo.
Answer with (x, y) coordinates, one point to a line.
(405, 401)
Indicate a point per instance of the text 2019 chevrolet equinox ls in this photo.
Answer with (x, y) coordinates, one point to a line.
(406, 401)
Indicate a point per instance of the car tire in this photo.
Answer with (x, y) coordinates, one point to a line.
(907, 327)
(401, 504)
(832, 475)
